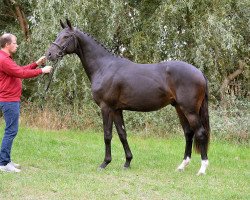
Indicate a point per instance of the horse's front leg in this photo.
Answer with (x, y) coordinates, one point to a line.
(120, 127)
(107, 116)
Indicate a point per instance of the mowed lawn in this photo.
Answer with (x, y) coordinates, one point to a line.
(64, 165)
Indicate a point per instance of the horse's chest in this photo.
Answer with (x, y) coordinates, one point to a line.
(97, 90)
(103, 91)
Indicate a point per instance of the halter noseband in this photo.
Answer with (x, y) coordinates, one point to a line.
(61, 53)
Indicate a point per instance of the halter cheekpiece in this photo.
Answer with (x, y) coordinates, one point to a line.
(63, 48)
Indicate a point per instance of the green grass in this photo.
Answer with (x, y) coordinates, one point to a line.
(64, 165)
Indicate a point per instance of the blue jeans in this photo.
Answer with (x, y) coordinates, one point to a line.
(11, 112)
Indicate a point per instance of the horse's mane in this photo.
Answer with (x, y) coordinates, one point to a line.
(99, 43)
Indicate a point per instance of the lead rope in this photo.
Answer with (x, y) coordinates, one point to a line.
(50, 77)
(54, 65)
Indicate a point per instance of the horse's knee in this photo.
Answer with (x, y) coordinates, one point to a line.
(189, 135)
(200, 135)
(197, 128)
(107, 137)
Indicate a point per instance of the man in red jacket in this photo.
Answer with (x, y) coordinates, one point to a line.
(11, 76)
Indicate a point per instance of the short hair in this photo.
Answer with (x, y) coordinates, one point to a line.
(6, 38)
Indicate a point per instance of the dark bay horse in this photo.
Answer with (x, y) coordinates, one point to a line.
(119, 84)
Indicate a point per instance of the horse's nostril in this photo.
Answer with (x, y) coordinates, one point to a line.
(48, 55)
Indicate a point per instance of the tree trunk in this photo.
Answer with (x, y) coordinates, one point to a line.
(228, 79)
(20, 16)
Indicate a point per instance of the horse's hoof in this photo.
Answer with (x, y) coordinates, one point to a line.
(202, 171)
(180, 169)
(127, 165)
(100, 169)
(201, 174)
(126, 168)
(103, 165)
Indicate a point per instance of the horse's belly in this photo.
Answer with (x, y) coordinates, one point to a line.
(144, 103)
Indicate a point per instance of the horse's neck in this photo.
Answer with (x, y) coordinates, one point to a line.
(91, 53)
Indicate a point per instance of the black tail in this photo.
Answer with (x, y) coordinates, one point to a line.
(204, 116)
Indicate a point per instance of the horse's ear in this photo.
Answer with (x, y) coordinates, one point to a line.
(69, 23)
(62, 24)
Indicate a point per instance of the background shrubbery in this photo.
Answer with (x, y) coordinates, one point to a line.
(212, 35)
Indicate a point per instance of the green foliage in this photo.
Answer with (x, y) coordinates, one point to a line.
(231, 123)
(8, 18)
(212, 35)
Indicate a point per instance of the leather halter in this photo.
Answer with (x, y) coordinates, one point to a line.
(62, 52)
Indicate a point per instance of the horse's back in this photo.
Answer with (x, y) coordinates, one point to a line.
(184, 71)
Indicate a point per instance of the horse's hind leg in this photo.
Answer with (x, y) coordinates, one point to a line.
(189, 139)
(200, 138)
(107, 116)
(120, 127)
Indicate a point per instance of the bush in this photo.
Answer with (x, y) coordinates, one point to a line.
(231, 121)
(228, 123)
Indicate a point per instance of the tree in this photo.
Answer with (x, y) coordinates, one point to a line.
(14, 10)
(212, 35)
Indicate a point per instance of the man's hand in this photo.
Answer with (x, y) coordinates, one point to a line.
(46, 69)
(41, 61)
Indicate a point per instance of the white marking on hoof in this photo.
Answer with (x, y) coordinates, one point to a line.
(183, 164)
(202, 171)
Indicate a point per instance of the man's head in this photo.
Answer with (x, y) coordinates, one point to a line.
(8, 43)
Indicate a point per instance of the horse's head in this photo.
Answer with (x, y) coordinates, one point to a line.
(65, 43)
